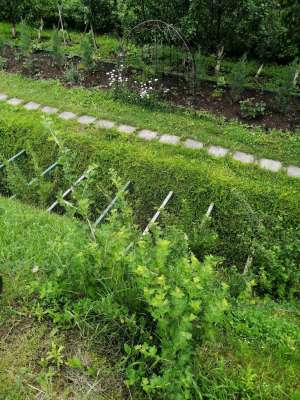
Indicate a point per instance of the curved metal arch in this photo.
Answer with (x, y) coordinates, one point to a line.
(158, 24)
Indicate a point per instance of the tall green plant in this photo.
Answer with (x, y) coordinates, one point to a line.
(238, 80)
(25, 39)
(57, 48)
(87, 52)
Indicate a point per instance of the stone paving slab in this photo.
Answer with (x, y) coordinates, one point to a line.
(244, 157)
(126, 128)
(169, 139)
(67, 115)
(293, 171)
(218, 151)
(86, 120)
(49, 110)
(3, 96)
(270, 165)
(32, 106)
(147, 135)
(105, 124)
(15, 102)
(193, 144)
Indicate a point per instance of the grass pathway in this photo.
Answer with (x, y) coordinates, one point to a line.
(214, 150)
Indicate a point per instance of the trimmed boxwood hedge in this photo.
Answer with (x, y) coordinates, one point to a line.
(244, 197)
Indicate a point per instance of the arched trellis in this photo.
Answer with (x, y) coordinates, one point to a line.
(156, 49)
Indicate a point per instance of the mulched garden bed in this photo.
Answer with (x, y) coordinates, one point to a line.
(41, 65)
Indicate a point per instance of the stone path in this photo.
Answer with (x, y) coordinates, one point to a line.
(146, 134)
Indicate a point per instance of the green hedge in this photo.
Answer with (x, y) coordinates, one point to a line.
(245, 197)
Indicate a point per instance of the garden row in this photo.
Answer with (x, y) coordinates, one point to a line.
(259, 216)
(218, 87)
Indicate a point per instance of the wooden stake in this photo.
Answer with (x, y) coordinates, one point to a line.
(60, 21)
(295, 80)
(220, 55)
(259, 71)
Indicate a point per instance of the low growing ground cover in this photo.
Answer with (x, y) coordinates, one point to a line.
(78, 317)
(246, 204)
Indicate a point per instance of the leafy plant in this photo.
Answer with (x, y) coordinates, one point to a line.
(57, 48)
(72, 74)
(25, 39)
(238, 79)
(286, 89)
(87, 52)
(251, 109)
(3, 62)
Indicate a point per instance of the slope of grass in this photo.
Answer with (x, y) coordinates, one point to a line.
(201, 126)
(239, 192)
(256, 357)
(30, 348)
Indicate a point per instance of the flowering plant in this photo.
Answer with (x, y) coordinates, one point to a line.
(145, 92)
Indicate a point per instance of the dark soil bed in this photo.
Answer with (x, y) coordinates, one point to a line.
(206, 96)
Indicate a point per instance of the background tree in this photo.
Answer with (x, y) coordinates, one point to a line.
(14, 10)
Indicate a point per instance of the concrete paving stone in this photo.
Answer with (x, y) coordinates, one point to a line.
(49, 110)
(270, 165)
(105, 124)
(169, 139)
(67, 115)
(245, 158)
(3, 96)
(217, 151)
(32, 106)
(293, 171)
(86, 119)
(147, 135)
(15, 102)
(193, 144)
(126, 128)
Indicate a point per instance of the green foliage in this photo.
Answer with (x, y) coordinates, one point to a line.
(286, 88)
(275, 256)
(157, 290)
(72, 74)
(238, 79)
(59, 269)
(57, 48)
(251, 109)
(185, 303)
(2, 63)
(153, 173)
(87, 52)
(25, 39)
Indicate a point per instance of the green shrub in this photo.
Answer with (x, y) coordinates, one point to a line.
(25, 39)
(72, 74)
(252, 110)
(56, 47)
(238, 79)
(165, 300)
(242, 202)
(286, 89)
(87, 52)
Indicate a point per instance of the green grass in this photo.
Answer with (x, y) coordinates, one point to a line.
(196, 179)
(25, 340)
(257, 356)
(201, 126)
